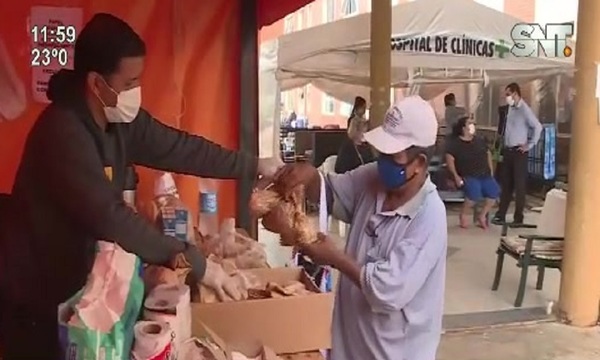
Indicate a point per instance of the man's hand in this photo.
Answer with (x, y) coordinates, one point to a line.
(225, 286)
(268, 167)
(324, 251)
(524, 148)
(292, 175)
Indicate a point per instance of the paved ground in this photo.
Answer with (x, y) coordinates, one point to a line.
(548, 341)
(470, 271)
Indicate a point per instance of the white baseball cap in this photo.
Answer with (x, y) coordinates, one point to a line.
(409, 122)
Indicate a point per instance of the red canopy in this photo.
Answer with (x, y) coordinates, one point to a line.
(269, 11)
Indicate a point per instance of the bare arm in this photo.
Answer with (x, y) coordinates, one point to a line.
(490, 162)
(451, 165)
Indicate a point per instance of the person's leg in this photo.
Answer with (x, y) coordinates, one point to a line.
(28, 335)
(507, 186)
(520, 181)
(472, 191)
(490, 192)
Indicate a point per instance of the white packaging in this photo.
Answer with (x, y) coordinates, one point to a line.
(171, 304)
(152, 338)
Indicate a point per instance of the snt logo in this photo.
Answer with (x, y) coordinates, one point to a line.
(532, 40)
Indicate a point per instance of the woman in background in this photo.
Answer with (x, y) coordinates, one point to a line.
(470, 162)
(358, 110)
(354, 151)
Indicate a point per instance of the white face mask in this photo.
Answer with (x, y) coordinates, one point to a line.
(510, 101)
(127, 108)
(471, 129)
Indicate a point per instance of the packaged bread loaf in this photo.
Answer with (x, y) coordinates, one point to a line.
(283, 215)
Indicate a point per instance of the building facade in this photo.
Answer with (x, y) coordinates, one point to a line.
(321, 109)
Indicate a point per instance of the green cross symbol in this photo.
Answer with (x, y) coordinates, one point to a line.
(501, 48)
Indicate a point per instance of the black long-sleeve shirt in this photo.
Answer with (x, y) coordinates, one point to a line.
(351, 156)
(68, 194)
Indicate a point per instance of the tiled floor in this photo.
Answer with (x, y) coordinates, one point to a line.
(470, 271)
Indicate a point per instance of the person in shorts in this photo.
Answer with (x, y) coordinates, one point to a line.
(469, 160)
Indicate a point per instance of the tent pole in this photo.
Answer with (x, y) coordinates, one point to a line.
(580, 282)
(248, 125)
(381, 33)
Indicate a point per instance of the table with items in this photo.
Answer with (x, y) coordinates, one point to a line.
(132, 310)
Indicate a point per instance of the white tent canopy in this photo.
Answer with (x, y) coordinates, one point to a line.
(437, 42)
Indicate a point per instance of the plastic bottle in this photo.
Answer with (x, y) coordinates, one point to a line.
(208, 214)
(175, 221)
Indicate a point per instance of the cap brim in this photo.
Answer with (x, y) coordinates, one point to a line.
(386, 143)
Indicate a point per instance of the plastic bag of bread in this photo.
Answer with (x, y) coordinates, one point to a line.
(235, 247)
(285, 217)
(262, 201)
(254, 257)
(237, 282)
(156, 275)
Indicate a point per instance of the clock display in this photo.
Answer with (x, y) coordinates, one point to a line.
(61, 34)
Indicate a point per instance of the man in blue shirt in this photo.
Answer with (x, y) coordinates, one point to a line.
(390, 298)
(521, 134)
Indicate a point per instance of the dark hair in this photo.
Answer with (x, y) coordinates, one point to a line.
(457, 128)
(514, 88)
(359, 101)
(449, 99)
(414, 151)
(104, 41)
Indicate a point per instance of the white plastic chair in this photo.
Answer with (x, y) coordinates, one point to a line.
(328, 167)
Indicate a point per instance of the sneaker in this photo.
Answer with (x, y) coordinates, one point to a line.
(498, 220)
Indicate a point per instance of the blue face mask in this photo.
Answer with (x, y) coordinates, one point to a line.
(392, 174)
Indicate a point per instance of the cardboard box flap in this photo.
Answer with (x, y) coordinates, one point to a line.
(208, 339)
(254, 350)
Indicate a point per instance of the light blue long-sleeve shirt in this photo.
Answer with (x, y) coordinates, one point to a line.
(397, 315)
(522, 126)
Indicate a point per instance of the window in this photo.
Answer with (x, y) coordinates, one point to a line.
(288, 24)
(309, 15)
(396, 2)
(328, 11)
(350, 7)
(345, 109)
(327, 105)
(300, 20)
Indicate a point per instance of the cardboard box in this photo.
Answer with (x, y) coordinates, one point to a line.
(288, 325)
(315, 355)
(223, 351)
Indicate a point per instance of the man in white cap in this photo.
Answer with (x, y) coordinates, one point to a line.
(389, 303)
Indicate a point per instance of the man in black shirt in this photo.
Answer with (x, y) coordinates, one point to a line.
(470, 162)
(68, 192)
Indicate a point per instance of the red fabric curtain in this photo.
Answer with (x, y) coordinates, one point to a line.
(270, 11)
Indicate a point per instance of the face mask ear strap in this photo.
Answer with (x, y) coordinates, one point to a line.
(97, 93)
(108, 86)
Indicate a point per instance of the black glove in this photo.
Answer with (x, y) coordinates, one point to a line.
(197, 260)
